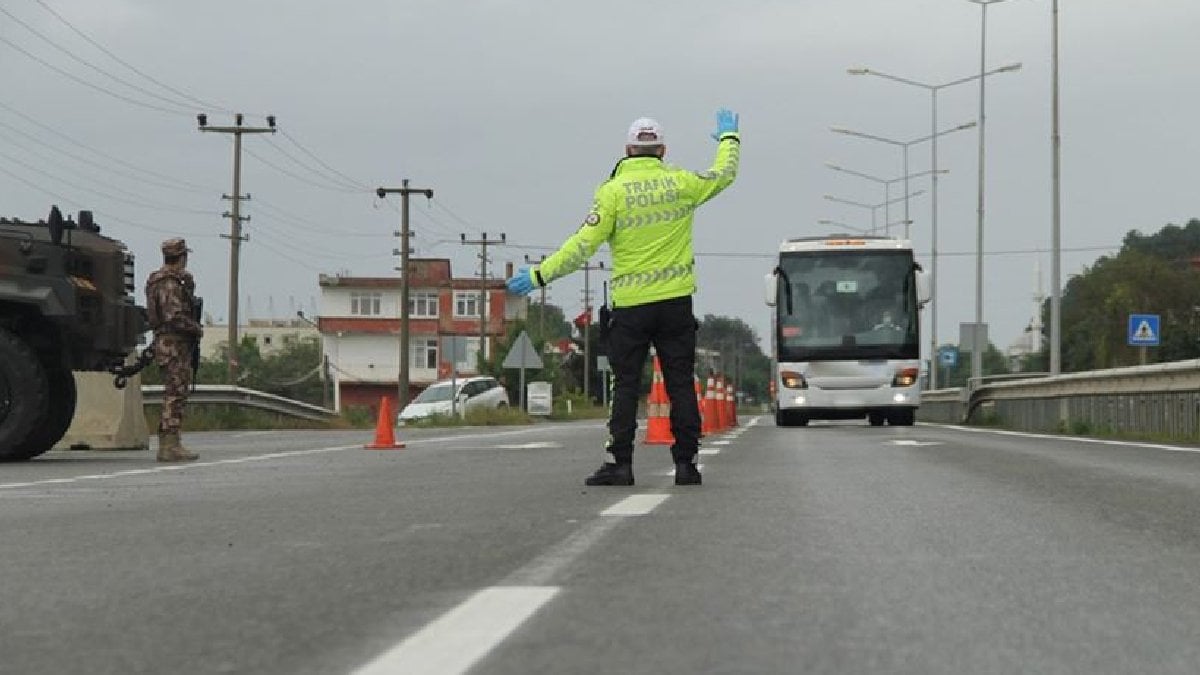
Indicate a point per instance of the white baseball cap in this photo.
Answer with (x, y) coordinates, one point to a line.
(645, 131)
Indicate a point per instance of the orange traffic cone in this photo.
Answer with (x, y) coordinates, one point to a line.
(658, 411)
(720, 422)
(731, 399)
(708, 410)
(384, 437)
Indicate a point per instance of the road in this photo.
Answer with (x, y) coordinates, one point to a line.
(837, 548)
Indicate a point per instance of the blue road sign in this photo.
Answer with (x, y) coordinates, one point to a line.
(1143, 330)
(947, 357)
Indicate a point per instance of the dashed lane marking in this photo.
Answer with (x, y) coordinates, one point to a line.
(635, 505)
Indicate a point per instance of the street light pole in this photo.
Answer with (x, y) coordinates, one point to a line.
(933, 252)
(977, 349)
(1056, 219)
(886, 185)
(873, 207)
(904, 145)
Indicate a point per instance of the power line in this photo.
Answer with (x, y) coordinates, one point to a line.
(84, 62)
(299, 177)
(75, 78)
(123, 200)
(332, 179)
(72, 202)
(125, 63)
(111, 158)
(318, 160)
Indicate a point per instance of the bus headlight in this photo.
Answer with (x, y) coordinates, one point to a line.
(793, 380)
(905, 377)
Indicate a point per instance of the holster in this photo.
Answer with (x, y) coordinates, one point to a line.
(605, 327)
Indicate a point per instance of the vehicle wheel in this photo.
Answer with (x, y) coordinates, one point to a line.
(60, 410)
(902, 418)
(876, 419)
(23, 395)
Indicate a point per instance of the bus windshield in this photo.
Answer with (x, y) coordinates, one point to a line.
(855, 304)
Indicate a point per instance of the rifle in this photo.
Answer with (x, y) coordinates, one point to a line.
(197, 313)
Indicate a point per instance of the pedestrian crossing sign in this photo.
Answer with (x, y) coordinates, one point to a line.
(1143, 330)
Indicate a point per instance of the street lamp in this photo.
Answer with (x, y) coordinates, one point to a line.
(904, 145)
(977, 349)
(1056, 210)
(887, 187)
(838, 223)
(874, 207)
(933, 253)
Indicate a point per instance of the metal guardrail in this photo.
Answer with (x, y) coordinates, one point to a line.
(1163, 399)
(233, 395)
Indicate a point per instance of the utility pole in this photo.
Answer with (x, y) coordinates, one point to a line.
(483, 242)
(235, 222)
(542, 313)
(587, 307)
(404, 191)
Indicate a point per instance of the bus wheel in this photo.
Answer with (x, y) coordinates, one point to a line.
(790, 418)
(902, 418)
(876, 419)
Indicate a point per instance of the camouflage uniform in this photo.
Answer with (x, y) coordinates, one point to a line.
(170, 304)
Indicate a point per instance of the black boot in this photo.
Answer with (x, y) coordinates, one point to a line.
(611, 474)
(686, 473)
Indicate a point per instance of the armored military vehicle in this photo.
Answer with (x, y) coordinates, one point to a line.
(66, 304)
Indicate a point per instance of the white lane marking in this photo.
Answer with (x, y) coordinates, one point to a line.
(707, 451)
(541, 570)
(459, 638)
(490, 434)
(1052, 437)
(720, 443)
(175, 467)
(529, 446)
(635, 505)
(916, 443)
(242, 460)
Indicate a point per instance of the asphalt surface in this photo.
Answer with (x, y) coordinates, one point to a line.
(836, 548)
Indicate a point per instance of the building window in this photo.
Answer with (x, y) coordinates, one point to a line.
(424, 353)
(466, 304)
(423, 305)
(266, 340)
(366, 304)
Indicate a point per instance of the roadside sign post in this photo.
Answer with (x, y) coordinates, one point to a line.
(522, 355)
(1142, 332)
(605, 369)
(947, 357)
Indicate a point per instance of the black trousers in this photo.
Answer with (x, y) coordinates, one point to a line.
(671, 327)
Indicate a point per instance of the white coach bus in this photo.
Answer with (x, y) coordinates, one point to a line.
(845, 336)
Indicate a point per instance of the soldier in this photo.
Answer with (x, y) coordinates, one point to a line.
(170, 308)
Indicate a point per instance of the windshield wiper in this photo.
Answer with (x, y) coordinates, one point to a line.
(787, 289)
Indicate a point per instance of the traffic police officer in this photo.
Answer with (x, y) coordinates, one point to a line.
(170, 309)
(644, 211)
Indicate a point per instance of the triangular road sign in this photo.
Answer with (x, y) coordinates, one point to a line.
(523, 354)
(1144, 331)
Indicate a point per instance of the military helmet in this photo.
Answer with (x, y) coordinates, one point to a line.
(175, 247)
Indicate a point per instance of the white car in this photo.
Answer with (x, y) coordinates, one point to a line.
(470, 393)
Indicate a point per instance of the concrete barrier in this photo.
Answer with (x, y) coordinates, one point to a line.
(107, 418)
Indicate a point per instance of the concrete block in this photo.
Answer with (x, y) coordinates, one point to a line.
(107, 418)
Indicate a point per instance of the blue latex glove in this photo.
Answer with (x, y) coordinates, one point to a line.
(522, 282)
(727, 122)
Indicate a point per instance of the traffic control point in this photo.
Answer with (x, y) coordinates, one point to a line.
(385, 438)
(658, 411)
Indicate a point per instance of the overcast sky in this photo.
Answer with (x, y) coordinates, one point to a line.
(514, 110)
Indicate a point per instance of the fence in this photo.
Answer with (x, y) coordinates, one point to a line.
(1160, 399)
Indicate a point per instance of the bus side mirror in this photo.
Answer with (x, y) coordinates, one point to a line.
(771, 286)
(924, 288)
